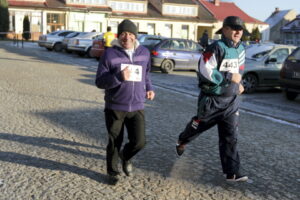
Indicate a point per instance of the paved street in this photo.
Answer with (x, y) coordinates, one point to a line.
(53, 139)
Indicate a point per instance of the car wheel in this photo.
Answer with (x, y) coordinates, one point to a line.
(291, 95)
(49, 49)
(167, 66)
(88, 53)
(57, 47)
(250, 83)
(81, 54)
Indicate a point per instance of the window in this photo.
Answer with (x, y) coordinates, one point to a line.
(298, 39)
(166, 45)
(193, 46)
(55, 22)
(288, 38)
(179, 10)
(12, 22)
(184, 31)
(127, 6)
(151, 29)
(179, 45)
(296, 54)
(280, 55)
(114, 26)
(97, 2)
(168, 30)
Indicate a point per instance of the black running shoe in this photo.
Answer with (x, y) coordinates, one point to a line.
(236, 177)
(180, 149)
(113, 177)
(126, 165)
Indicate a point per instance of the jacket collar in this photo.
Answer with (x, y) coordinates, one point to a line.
(229, 42)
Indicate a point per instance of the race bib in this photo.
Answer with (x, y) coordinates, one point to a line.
(135, 72)
(230, 65)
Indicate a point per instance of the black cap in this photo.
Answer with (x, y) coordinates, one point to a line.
(233, 22)
(127, 26)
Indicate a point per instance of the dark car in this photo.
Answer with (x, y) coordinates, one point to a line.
(262, 65)
(172, 53)
(290, 75)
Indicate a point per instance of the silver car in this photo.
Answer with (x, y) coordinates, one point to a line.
(53, 40)
(83, 43)
(263, 64)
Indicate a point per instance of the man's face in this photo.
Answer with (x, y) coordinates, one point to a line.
(234, 35)
(127, 40)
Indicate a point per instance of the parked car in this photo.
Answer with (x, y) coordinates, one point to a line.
(97, 49)
(149, 41)
(67, 38)
(172, 53)
(53, 40)
(263, 64)
(290, 75)
(82, 45)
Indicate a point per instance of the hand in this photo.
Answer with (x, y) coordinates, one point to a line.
(126, 73)
(241, 88)
(150, 95)
(236, 78)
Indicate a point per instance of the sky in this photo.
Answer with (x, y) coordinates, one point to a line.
(262, 9)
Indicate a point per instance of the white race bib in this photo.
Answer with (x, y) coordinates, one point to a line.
(230, 65)
(135, 72)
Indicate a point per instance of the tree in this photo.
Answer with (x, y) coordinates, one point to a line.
(4, 17)
(255, 35)
(26, 28)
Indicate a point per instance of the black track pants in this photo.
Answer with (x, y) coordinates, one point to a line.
(227, 128)
(135, 125)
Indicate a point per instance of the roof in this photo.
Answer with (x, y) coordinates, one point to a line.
(189, 2)
(34, 4)
(56, 4)
(226, 9)
(276, 17)
(292, 26)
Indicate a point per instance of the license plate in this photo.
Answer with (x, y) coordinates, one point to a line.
(296, 75)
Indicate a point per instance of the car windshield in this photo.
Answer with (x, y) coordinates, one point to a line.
(54, 33)
(89, 35)
(258, 51)
(72, 35)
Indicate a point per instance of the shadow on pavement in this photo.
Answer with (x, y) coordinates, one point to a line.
(85, 123)
(31, 161)
(52, 143)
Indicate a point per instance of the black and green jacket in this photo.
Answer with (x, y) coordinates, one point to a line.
(217, 64)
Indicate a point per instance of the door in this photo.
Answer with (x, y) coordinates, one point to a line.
(273, 64)
(195, 51)
(180, 53)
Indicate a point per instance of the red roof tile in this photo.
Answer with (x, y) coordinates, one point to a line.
(26, 3)
(227, 9)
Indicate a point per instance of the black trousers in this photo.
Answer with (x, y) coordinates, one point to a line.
(135, 125)
(227, 128)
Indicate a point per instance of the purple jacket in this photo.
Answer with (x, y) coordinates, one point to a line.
(119, 94)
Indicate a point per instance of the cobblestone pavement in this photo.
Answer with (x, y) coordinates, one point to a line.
(53, 138)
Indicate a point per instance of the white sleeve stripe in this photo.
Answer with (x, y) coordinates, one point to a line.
(206, 69)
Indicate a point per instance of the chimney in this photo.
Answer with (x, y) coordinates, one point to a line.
(275, 11)
(216, 2)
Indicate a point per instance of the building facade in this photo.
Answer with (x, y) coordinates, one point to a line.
(290, 33)
(276, 21)
(171, 18)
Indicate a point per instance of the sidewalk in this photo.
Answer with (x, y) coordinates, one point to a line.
(53, 140)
